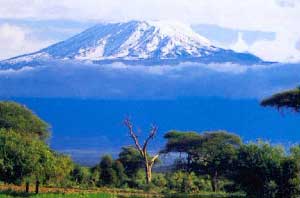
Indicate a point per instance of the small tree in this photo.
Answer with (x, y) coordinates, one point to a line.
(131, 159)
(148, 161)
(120, 171)
(108, 175)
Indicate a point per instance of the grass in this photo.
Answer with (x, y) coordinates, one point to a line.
(11, 191)
(13, 194)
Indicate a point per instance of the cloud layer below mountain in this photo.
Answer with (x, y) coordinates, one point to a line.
(119, 81)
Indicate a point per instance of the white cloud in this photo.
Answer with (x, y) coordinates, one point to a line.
(282, 49)
(287, 3)
(248, 14)
(17, 40)
(240, 45)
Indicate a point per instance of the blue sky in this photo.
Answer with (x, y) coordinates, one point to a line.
(267, 28)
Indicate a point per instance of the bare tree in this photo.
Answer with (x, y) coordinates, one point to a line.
(148, 161)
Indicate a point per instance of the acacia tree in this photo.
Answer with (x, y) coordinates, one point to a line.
(287, 99)
(210, 153)
(182, 142)
(216, 155)
(148, 161)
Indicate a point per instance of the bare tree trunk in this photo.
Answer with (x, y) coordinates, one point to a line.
(148, 170)
(143, 150)
(27, 187)
(148, 174)
(37, 186)
(214, 182)
(189, 163)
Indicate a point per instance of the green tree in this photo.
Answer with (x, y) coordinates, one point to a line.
(22, 120)
(258, 169)
(81, 175)
(159, 180)
(209, 153)
(61, 170)
(25, 159)
(108, 175)
(216, 155)
(95, 175)
(131, 160)
(288, 99)
(120, 172)
(183, 142)
(289, 178)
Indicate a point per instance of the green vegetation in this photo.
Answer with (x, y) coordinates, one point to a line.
(287, 99)
(206, 164)
(12, 194)
(20, 119)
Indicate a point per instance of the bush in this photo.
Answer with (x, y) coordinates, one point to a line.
(159, 180)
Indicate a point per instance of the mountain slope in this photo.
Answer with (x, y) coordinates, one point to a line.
(135, 42)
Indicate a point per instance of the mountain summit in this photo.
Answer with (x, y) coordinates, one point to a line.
(137, 42)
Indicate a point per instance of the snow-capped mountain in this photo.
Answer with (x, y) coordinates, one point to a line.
(135, 42)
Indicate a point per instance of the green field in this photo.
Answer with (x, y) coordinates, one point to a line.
(57, 195)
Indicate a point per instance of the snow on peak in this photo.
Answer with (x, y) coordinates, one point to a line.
(179, 31)
(132, 41)
(151, 41)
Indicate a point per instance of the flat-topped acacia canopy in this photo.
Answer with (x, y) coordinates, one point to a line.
(287, 99)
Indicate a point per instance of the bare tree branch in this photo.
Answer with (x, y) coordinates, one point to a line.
(153, 159)
(133, 135)
(143, 150)
(151, 136)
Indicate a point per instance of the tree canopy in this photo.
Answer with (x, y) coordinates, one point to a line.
(131, 159)
(288, 99)
(179, 141)
(22, 120)
(23, 158)
(263, 170)
(209, 152)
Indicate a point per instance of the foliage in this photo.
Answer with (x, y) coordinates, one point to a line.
(258, 167)
(120, 172)
(184, 182)
(112, 172)
(215, 155)
(159, 180)
(209, 153)
(108, 176)
(288, 99)
(24, 158)
(22, 120)
(131, 160)
(81, 175)
(182, 142)
(212, 161)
